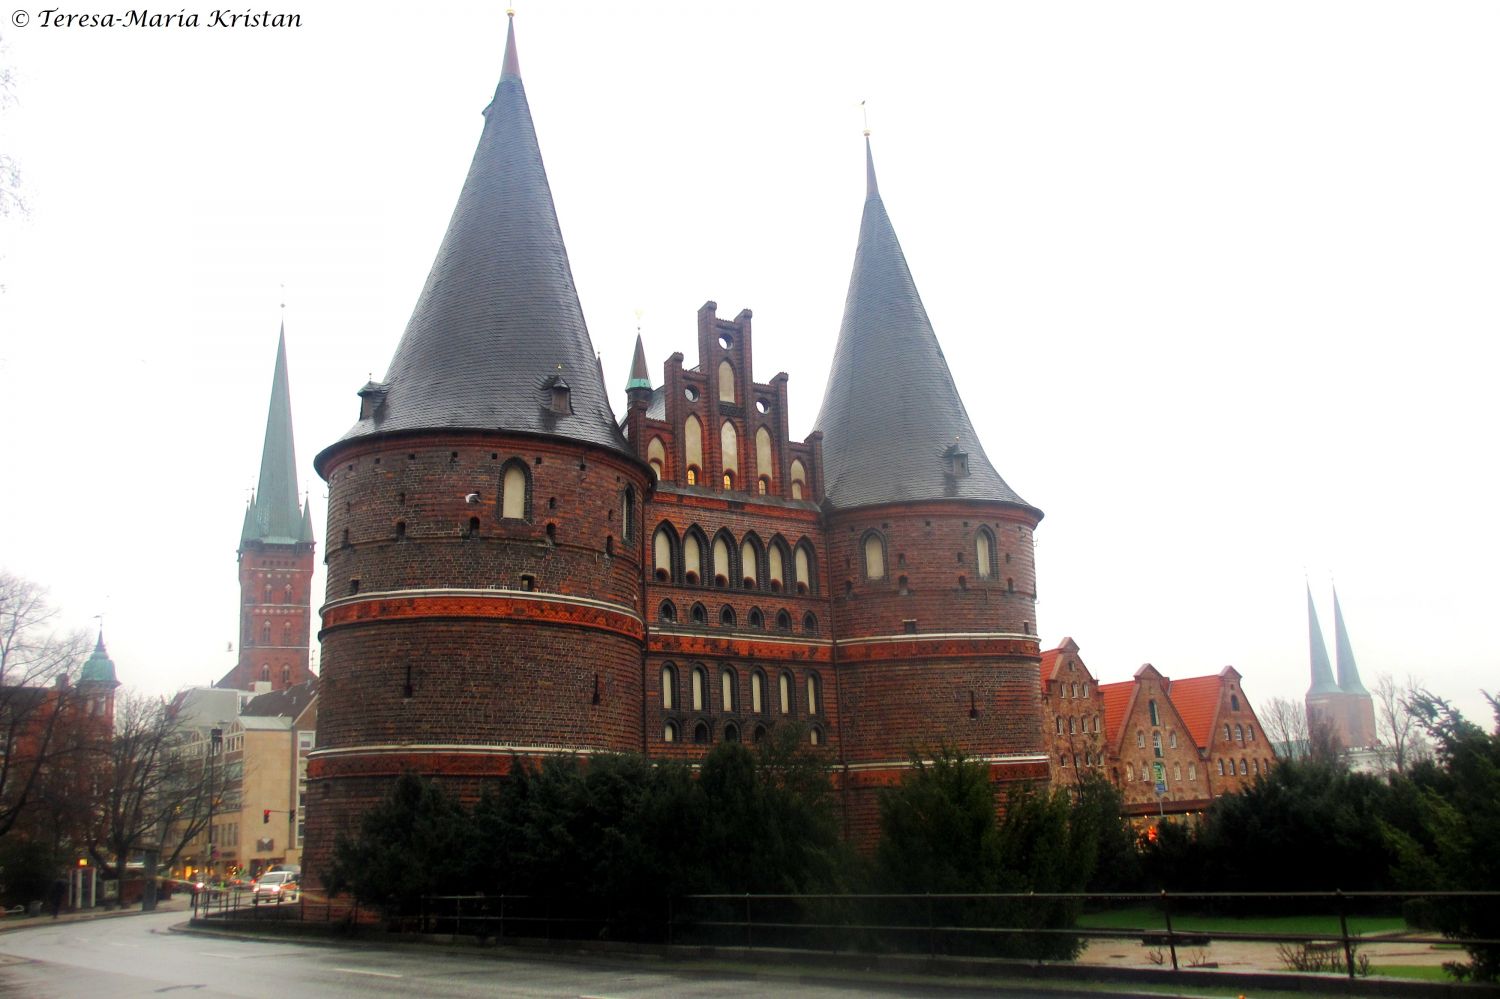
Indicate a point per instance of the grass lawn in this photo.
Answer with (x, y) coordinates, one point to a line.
(1423, 972)
(1150, 918)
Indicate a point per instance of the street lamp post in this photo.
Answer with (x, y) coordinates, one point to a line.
(215, 740)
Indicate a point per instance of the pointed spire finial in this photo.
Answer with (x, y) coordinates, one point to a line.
(512, 65)
(640, 375)
(872, 189)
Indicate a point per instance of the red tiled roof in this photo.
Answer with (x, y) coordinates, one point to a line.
(1049, 664)
(1197, 701)
(1116, 702)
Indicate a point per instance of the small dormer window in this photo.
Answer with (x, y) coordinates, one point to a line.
(559, 396)
(956, 462)
(371, 399)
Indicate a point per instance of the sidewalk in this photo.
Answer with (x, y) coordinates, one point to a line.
(180, 902)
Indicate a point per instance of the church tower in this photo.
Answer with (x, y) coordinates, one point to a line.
(1343, 704)
(484, 517)
(276, 559)
(930, 557)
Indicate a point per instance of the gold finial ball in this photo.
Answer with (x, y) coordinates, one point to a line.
(867, 133)
(510, 12)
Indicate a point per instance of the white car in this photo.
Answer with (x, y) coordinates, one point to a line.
(275, 886)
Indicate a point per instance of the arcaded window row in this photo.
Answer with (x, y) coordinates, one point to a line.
(748, 563)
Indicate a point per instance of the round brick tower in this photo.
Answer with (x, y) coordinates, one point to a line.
(930, 558)
(484, 518)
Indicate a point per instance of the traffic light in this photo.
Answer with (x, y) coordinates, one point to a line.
(265, 816)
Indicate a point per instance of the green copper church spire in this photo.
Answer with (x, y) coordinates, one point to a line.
(274, 515)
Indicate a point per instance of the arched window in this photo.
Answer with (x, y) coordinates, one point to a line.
(1145, 773)
(1140, 739)
(1221, 768)
(984, 553)
(1244, 768)
(1172, 738)
(806, 582)
(731, 732)
(669, 732)
(1059, 725)
(815, 735)
(265, 634)
(810, 623)
(1073, 690)
(698, 614)
(874, 547)
(726, 616)
(1250, 732)
(760, 733)
(265, 673)
(1192, 771)
(661, 547)
(784, 692)
(757, 619)
(267, 594)
(799, 480)
(723, 568)
(693, 442)
(758, 692)
(1227, 736)
(668, 687)
(1239, 732)
(1070, 726)
(729, 451)
(700, 688)
(750, 564)
(656, 457)
(1151, 707)
(783, 620)
(1062, 759)
(726, 691)
(1129, 772)
(667, 612)
(692, 475)
(1255, 766)
(700, 733)
(286, 594)
(286, 634)
(1177, 771)
(627, 513)
(1156, 744)
(776, 564)
(726, 382)
(814, 694)
(692, 558)
(513, 488)
(763, 468)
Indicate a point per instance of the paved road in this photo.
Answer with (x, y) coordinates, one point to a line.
(140, 956)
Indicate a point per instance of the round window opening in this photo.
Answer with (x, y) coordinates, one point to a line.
(762, 405)
(725, 341)
(690, 393)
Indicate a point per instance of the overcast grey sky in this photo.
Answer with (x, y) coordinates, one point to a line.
(1218, 282)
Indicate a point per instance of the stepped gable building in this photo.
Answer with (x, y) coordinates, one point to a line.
(276, 560)
(513, 572)
(1197, 737)
(1343, 704)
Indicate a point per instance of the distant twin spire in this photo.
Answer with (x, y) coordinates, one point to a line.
(1322, 674)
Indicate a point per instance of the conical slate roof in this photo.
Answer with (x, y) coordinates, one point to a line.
(274, 515)
(1322, 673)
(1343, 653)
(894, 427)
(498, 321)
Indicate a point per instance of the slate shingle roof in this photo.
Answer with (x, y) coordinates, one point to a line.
(1343, 653)
(274, 515)
(891, 411)
(499, 316)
